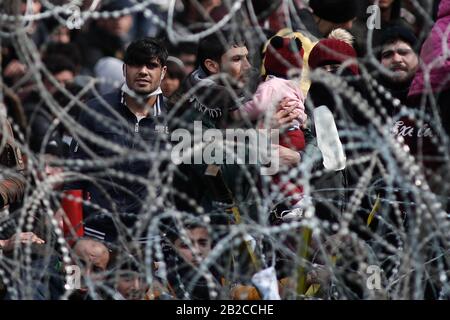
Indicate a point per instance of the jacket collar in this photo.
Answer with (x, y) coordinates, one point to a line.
(158, 106)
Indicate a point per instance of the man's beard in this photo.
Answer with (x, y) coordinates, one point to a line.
(140, 95)
(400, 82)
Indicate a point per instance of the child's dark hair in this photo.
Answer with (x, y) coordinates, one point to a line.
(213, 46)
(141, 51)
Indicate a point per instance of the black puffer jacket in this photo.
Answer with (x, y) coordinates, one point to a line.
(121, 193)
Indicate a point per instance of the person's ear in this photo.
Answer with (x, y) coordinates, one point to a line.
(212, 66)
(163, 72)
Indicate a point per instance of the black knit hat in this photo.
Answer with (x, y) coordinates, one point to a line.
(337, 11)
(398, 32)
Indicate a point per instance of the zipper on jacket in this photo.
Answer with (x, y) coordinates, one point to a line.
(136, 127)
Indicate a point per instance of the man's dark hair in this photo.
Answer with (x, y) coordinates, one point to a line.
(173, 232)
(56, 63)
(213, 47)
(398, 32)
(69, 50)
(142, 51)
(127, 262)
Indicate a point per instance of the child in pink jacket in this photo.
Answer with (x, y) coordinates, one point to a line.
(268, 96)
(283, 60)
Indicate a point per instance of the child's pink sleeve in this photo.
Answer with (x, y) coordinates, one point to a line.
(262, 99)
(300, 99)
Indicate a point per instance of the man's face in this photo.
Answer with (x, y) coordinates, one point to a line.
(235, 63)
(331, 68)
(399, 58)
(144, 79)
(197, 249)
(63, 78)
(93, 257)
(61, 35)
(35, 6)
(52, 171)
(131, 285)
(117, 26)
(169, 85)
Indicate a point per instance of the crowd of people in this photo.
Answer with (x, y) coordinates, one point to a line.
(94, 205)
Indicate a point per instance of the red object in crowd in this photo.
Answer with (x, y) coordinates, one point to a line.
(73, 222)
(294, 140)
